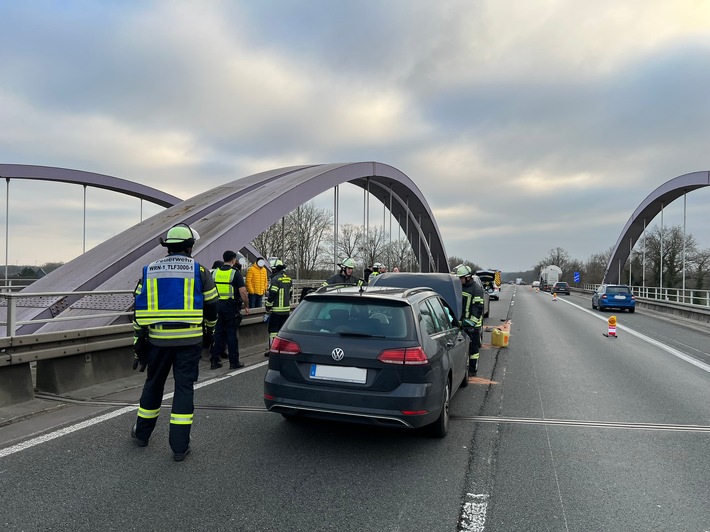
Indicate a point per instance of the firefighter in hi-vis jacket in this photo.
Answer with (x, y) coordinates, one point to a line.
(175, 316)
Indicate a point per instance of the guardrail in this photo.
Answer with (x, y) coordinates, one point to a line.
(687, 296)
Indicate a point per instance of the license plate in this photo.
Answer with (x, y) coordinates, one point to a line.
(339, 373)
(619, 297)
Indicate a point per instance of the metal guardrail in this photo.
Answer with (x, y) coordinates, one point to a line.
(13, 299)
(43, 300)
(691, 298)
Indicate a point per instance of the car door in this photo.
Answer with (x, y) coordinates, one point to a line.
(456, 341)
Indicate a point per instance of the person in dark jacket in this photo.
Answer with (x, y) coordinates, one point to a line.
(175, 315)
(345, 275)
(232, 297)
(278, 302)
(472, 314)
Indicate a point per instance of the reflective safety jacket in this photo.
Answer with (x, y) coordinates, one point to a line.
(173, 299)
(279, 299)
(472, 303)
(223, 280)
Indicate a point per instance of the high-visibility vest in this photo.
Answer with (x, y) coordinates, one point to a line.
(170, 292)
(223, 280)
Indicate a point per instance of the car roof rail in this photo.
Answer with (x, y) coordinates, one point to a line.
(413, 291)
(330, 287)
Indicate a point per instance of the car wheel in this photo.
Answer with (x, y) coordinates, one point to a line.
(441, 426)
(631, 310)
(290, 416)
(593, 305)
(464, 382)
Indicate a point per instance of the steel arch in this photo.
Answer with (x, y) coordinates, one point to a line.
(647, 211)
(235, 213)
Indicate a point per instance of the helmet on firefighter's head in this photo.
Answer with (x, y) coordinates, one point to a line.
(348, 263)
(180, 234)
(376, 266)
(463, 271)
(277, 264)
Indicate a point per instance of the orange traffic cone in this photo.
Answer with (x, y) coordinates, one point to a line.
(554, 296)
(611, 332)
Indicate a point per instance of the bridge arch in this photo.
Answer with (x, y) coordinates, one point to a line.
(644, 213)
(233, 214)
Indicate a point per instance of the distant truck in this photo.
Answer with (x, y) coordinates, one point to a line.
(518, 280)
(549, 275)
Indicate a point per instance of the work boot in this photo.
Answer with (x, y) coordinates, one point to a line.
(472, 367)
(139, 442)
(237, 365)
(215, 365)
(179, 457)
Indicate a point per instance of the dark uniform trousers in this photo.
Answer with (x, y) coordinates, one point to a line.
(228, 319)
(184, 361)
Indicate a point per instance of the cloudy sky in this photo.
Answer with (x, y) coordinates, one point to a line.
(527, 124)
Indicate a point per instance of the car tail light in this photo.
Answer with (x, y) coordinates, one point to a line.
(409, 356)
(603, 296)
(414, 412)
(284, 347)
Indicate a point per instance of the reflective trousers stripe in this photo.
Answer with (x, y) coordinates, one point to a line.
(474, 356)
(148, 414)
(180, 419)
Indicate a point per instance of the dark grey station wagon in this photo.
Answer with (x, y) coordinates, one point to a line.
(377, 355)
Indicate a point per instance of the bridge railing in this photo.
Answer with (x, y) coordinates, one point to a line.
(689, 297)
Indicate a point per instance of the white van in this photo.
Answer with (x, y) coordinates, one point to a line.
(536, 284)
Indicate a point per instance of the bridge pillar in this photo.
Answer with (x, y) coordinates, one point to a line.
(74, 372)
(16, 384)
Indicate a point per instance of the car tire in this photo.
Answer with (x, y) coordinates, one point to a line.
(464, 382)
(593, 306)
(440, 427)
(631, 310)
(290, 416)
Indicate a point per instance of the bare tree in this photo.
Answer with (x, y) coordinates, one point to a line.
(373, 247)
(669, 241)
(309, 231)
(595, 267)
(349, 240)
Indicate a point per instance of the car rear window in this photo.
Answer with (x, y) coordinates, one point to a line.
(330, 315)
(618, 290)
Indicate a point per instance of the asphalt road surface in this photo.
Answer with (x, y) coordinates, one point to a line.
(564, 430)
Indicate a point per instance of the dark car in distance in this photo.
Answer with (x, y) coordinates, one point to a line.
(617, 296)
(560, 288)
(378, 355)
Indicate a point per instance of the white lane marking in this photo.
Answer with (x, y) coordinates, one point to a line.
(473, 515)
(110, 415)
(679, 354)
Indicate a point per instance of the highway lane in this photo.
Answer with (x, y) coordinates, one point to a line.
(509, 463)
(596, 477)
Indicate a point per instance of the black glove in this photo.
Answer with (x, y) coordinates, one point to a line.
(141, 349)
(207, 337)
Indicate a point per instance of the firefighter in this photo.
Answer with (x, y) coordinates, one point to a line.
(232, 297)
(472, 314)
(278, 302)
(345, 275)
(175, 316)
(377, 269)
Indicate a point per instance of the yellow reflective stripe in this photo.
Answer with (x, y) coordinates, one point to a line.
(152, 293)
(168, 334)
(148, 414)
(474, 356)
(181, 419)
(210, 295)
(188, 291)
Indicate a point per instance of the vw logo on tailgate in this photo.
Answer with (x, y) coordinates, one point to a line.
(337, 354)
